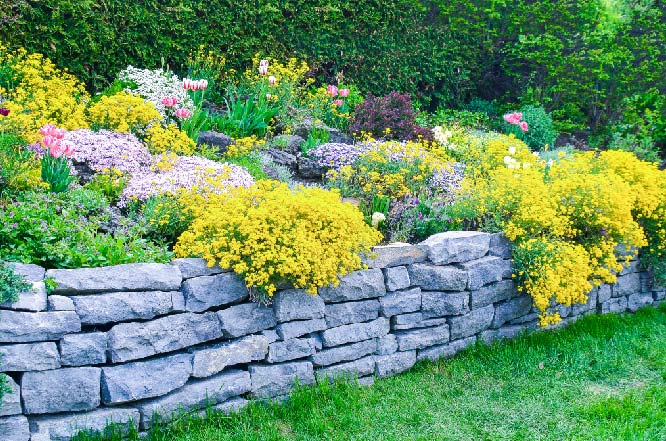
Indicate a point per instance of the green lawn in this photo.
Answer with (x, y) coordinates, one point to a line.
(602, 378)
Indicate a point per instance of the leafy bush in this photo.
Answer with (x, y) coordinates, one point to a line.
(110, 183)
(11, 284)
(269, 233)
(643, 147)
(391, 116)
(19, 169)
(164, 219)
(540, 131)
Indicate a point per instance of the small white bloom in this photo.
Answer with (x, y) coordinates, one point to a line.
(550, 162)
(536, 154)
(508, 159)
(377, 218)
(512, 150)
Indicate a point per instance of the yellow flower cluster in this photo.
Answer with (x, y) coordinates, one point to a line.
(162, 139)
(124, 112)
(270, 233)
(243, 146)
(293, 72)
(42, 94)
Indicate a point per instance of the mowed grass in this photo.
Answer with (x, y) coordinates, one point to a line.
(602, 378)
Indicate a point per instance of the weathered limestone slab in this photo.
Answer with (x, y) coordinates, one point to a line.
(29, 357)
(212, 360)
(10, 404)
(359, 285)
(511, 309)
(604, 293)
(61, 390)
(396, 278)
(191, 267)
(83, 349)
(446, 350)
(455, 246)
(64, 427)
(202, 293)
(353, 369)
(493, 293)
(297, 304)
(472, 323)
(279, 379)
(627, 285)
(500, 246)
(400, 302)
(395, 254)
(484, 271)
(413, 321)
(29, 271)
(591, 303)
(639, 300)
(33, 300)
(339, 354)
(387, 365)
(422, 338)
(298, 328)
(145, 379)
(126, 277)
(114, 307)
(387, 345)
(131, 341)
(60, 303)
(18, 327)
(246, 318)
(291, 349)
(355, 332)
(351, 312)
(438, 278)
(15, 428)
(440, 304)
(616, 304)
(195, 395)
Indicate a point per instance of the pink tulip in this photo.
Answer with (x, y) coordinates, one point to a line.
(332, 90)
(518, 115)
(344, 93)
(187, 83)
(512, 118)
(337, 102)
(263, 70)
(68, 149)
(170, 101)
(56, 150)
(523, 126)
(271, 80)
(203, 84)
(49, 141)
(45, 130)
(183, 113)
(59, 133)
(264, 63)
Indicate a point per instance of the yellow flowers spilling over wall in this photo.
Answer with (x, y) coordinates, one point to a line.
(243, 146)
(124, 112)
(270, 233)
(162, 139)
(41, 94)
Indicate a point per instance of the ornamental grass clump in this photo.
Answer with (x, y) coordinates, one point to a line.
(270, 233)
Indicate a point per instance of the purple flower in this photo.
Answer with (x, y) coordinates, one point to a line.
(336, 155)
(106, 149)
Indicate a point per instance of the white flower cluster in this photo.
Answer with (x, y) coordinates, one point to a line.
(155, 85)
(442, 137)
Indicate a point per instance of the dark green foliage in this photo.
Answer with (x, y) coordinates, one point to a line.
(11, 284)
(540, 128)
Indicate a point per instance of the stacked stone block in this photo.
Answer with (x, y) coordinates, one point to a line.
(131, 343)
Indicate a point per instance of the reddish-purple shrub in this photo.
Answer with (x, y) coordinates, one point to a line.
(393, 112)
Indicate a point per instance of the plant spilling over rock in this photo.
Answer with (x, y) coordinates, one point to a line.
(11, 284)
(270, 233)
(391, 116)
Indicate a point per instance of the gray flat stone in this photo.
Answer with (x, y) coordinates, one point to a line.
(446, 350)
(500, 246)
(639, 300)
(339, 354)
(64, 427)
(359, 285)
(604, 292)
(396, 278)
(131, 341)
(29, 357)
(353, 369)
(60, 303)
(191, 267)
(441, 303)
(484, 271)
(202, 293)
(245, 319)
(230, 406)
(10, 404)
(476, 321)
(355, 332)
(511, 309)
(389, 365)
(271, 335)
(15, 428)
(455, 246)
(33, 300)
(279, 379)
(114, 307)
(126, 277)
(591, 303)
(438, 278)
(400, 302)
(627, 285)
(17, 327)
(195, 395)
(387, 345)
(351, 312)
(145, 379)
(212, 360)
(61, 390)
(296, 304)
(291, 349)
(298, 328)
(413, 321)
(395, 254)
(422, 338)
(83, 349)
(29, 271)
(614, 305)
(493, 293)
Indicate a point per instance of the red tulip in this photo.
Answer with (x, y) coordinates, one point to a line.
(4, 111)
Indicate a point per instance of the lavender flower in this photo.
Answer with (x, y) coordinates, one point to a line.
(448, 180)
(106, 149)
(336, 155)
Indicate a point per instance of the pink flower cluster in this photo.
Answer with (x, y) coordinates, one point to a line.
(263, 67)
(52, 140)
(333, 91)
(195, 85)
(104, 150)
(515, 118)
(171, 101)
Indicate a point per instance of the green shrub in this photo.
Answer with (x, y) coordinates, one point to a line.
(540, 132)
(19, 170)
(11, 284)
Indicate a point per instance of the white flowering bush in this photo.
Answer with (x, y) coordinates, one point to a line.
(154, 85)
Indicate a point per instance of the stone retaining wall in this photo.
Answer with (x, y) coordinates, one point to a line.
(120, 344)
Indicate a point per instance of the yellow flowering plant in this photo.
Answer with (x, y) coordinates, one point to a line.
(270, 233)
(161, 139)
(124, 112)
(243, 146)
